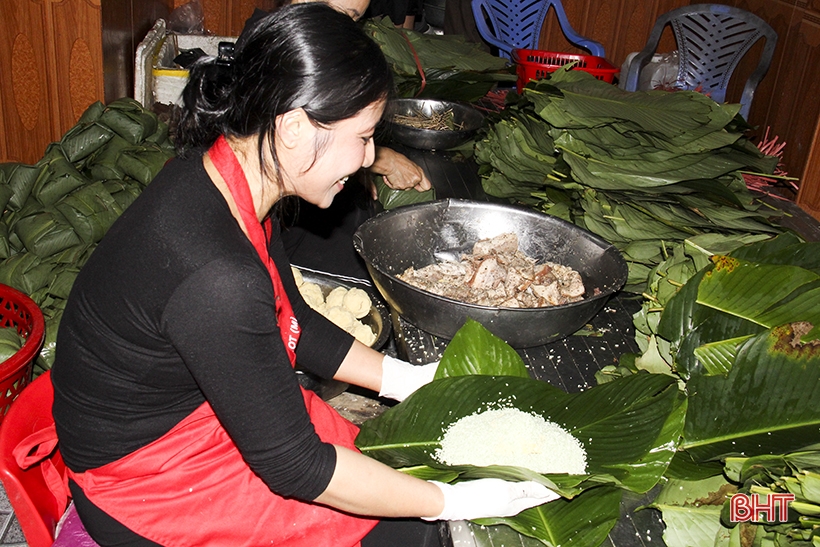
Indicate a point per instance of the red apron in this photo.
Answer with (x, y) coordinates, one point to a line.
(192, 487)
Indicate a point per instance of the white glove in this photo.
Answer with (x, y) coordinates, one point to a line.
(400, 378)
(485, 498)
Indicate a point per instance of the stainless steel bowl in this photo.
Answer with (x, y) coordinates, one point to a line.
(464, 115)
(418, 235)
(377, 319)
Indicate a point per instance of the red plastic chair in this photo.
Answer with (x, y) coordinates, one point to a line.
(36, 508)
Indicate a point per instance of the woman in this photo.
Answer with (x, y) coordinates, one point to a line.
(177, 409)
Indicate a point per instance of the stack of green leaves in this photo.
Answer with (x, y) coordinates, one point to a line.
(451, 68)
(742, 337)
(57, 210)
(629, 428)
(644, 170)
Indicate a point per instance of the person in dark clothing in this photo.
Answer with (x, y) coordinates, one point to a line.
(178, 412)
(323, 240)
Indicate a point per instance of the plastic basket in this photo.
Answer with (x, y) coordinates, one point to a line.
(19, 311)
(535, 64)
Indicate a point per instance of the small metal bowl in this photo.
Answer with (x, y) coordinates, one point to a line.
(377, 319)
(418, 235)
(464, 116)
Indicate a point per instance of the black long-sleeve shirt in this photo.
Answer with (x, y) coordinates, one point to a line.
(175, 307)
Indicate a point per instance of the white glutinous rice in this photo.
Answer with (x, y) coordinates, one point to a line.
(508, 436)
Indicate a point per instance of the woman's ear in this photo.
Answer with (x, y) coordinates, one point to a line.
(294, 127)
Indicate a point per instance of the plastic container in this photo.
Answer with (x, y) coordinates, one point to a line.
(535, 64)
(19, 311)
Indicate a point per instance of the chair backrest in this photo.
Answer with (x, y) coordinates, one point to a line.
(35, 506)
(712, 39)
(511, 24)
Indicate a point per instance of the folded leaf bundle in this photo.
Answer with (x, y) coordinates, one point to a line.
(25, 272)
(46, 233)
(90, 211)
(57, 179)
(10, 342)
(20, 178)
(83, 140)
(129, 120)
(142, 163)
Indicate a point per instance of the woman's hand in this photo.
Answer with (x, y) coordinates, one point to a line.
(400, 378)
(486, 498)
(398, 171)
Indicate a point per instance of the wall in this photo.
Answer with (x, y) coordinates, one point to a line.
(59, 56)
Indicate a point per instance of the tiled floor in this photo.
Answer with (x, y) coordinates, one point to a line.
(10, 533)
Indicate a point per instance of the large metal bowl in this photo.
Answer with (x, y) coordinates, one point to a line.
(464, 116)
(419, 235)
(378, 319)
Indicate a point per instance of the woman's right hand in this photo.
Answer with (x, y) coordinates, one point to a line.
(485, 498)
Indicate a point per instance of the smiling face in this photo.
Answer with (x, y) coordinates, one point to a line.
(320, 162)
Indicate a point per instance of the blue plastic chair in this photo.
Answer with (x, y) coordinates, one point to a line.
(516, 24)
(711, 38)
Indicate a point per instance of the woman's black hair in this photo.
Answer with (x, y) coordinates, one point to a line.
(307, 56)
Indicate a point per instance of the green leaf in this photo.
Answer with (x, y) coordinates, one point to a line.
(768, 403)
(768, 295)
(586, 520)
(690, 526)
(390, 198)
(475, 350)
(629, 426)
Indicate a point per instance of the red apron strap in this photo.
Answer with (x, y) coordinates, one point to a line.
(38, 448)
(228, 166)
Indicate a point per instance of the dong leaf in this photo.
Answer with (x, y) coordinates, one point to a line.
(629, 427)
(768, 403)
(475, 350)
(583, 521)
(766, 294)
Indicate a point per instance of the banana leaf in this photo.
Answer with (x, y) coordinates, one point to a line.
(691, 512)
(102, 165)
(768, 295)
(142, 163)
(628, 427)
(26, 272)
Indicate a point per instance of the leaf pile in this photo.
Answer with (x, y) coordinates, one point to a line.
(643, 170)
(453, 69)
(57, 210)
(741, 336)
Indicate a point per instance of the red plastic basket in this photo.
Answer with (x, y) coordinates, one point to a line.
(535, 64)
(19, 311)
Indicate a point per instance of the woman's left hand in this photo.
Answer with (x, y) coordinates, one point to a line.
(400, 378)
(398, 171)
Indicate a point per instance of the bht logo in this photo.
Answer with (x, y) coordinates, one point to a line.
(746, 507)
